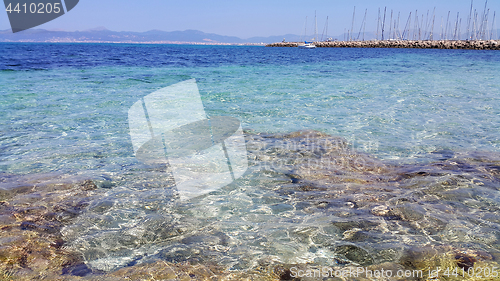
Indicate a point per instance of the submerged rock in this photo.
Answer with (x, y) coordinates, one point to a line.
(31, 243)
(309, 200)
(377, 204)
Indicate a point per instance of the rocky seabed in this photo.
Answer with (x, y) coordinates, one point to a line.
(416, 44)
(327, 207)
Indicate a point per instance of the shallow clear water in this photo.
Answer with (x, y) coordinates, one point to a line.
(431, 117)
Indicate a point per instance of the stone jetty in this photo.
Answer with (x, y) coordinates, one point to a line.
(417, 44)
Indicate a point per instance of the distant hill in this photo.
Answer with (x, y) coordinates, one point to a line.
(102, 34)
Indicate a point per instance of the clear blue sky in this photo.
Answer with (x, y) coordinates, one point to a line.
(251, 17)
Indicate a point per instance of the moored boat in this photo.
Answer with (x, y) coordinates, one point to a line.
(307, 46)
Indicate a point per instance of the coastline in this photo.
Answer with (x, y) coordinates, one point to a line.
(136, 42)
(414, 44)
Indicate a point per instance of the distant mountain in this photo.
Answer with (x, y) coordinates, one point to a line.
(101, 34)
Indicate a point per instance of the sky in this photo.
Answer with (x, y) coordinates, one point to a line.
(249, 18)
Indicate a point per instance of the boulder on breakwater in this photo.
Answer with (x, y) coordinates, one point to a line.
(417, 44)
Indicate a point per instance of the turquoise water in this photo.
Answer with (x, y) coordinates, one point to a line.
(393, 103)
(64, 112)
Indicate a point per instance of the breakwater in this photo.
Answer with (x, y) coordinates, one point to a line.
(416, 44)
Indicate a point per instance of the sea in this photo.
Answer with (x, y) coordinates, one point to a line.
(411, 137)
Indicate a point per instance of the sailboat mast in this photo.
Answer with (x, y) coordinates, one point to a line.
(397, 31)
(378, 22)
(432, 27)
(469, 22)
(415, 27)
(326, 28)
(459, 29)
(474, 34)
(315, 27)
(390, 27)
(446, 27)
(364, 24)
(407, 27)
(426, 25)
(324, 35)
(493, 26)
(352, 25)
(483, 19)
(420, 28)
(383, 23)
(361, 27)
(485, 27)
(441, 34)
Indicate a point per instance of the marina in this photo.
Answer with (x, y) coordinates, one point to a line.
(414, 44)
(420, 31)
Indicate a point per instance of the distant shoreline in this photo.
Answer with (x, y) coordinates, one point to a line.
(136, 42)
(414, 44)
